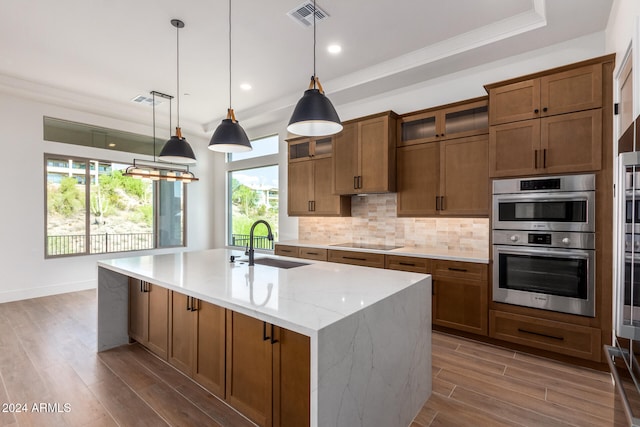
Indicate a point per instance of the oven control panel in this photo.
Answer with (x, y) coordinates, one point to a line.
(569, 240)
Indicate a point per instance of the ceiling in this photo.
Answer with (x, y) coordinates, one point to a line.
(109, 51)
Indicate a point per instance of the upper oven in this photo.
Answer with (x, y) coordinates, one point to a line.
(558, 203)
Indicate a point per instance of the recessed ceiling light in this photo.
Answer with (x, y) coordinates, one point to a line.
(245, 86)
(111, 144)
(334, 48)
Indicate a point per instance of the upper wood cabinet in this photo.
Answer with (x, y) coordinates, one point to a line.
(364, 155)
(445, 178)
(462, 119)
(557, 93)
(310, 180)
(148, 315)
(558, 144)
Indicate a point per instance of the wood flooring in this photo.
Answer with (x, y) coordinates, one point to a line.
(50, 375)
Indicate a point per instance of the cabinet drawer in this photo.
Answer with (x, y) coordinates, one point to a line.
(459, 270)
(313, 253)
(356, 258)
(406, 263)
(287, 250)
(559, 337)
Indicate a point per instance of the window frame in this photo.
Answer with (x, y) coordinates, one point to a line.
(244, 164)
(87, 197)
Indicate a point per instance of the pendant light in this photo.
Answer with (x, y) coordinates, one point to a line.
(314, 114)
(154, 170)
(177, 149)
(229, 137)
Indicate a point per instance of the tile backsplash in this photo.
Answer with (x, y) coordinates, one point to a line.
(374, 220)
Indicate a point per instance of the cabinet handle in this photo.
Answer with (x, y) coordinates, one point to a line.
(188, 301)
(355, 182)
(442, 206)
(141, 286)
(544, 158)
(354, 258)
(410, 264)
(264, 331)
(544, 110)
(360, 181)
(312, 253)
(535, 156)
(195, 304)
(313, 205)
(286, 251)
(462, 270)
(273, 341)
(541, 335)
(437, 203)
(147, 286)
(536, 111)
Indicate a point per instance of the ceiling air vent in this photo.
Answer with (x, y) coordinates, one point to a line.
(146, 100)
(303, 14)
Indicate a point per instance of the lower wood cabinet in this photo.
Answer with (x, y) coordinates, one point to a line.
(268, 372)
(405, 263)
(460, 299)
(366, 259)
(197, 333)
(286, 250)
(148, 315)
(565, 338)
(313, 253)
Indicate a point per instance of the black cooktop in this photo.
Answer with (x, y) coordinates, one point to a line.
(375, 246)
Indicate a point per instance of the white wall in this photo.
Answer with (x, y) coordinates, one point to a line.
(25, 271)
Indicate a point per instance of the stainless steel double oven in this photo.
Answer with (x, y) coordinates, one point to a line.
(543, 233)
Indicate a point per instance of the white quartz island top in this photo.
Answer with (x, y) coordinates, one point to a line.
(304, 299)
(369, 328)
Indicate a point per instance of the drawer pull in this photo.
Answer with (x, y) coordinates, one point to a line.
(354, 258)
(542, 335)
(410, 264)
(286, 250)
(462, 270)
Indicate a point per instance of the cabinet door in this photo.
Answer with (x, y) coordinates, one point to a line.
(572, 142)
(324, 202)
(249, 367)
(300, 149)
(209, 366)
(300, 188)
(513, 149)
(514, 102)
(572, 90)
(138, 311)
(460, 304)
(420, 128)
(464, 176)
(181, 333)
(158, 329)
(418, 179)
(345, 159)
(465, 120)
(377, 156)
(291, 379)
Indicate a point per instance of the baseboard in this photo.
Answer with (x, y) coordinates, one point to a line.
(22, 294)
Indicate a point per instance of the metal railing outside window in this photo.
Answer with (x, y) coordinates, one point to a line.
(98, 243)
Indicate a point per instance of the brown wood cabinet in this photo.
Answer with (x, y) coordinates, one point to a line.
(406, 263)
(444, 178)
(286, 250)
(458, 120)
(364, 155)
(366, 259)
(565, 338)
(268, 372)
(557, 93)
(310, 182)
(558, 144)
(313, 253)
(148, 315)
(197, 341)
(460, 295)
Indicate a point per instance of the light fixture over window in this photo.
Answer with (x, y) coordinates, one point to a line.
(177, 149)
(229, 137)
(314, 114)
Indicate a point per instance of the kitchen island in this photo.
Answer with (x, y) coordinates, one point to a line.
(369, 330)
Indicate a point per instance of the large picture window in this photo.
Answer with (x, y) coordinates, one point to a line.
(92, 208)
(253, 193)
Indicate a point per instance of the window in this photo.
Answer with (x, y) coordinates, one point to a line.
(92, 208)
(253, 193)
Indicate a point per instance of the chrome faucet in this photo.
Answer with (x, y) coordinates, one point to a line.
(269, 236)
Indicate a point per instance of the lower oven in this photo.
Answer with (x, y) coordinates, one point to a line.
(549, 271)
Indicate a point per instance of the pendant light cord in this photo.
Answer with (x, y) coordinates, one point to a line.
(314, 44)
(153, 97)
(230, 55)
(178, 74)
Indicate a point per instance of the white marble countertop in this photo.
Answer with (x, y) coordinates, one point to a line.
(303, 299)
(481, 257)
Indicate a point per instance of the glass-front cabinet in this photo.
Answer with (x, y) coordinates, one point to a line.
(306, 148)
(457, 120)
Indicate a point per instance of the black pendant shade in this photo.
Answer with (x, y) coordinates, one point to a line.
(314, 115)
(177, 150)
(229, 137)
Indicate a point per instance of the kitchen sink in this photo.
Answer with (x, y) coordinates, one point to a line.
(279, 263)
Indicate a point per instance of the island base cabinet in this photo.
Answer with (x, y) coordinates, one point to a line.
(268, 372)
(181, 333)
(148, 316)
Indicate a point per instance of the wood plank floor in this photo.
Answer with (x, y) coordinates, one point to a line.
(50, 372)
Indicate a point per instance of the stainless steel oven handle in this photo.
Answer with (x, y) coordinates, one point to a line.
(528, 250)
(544, 197)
